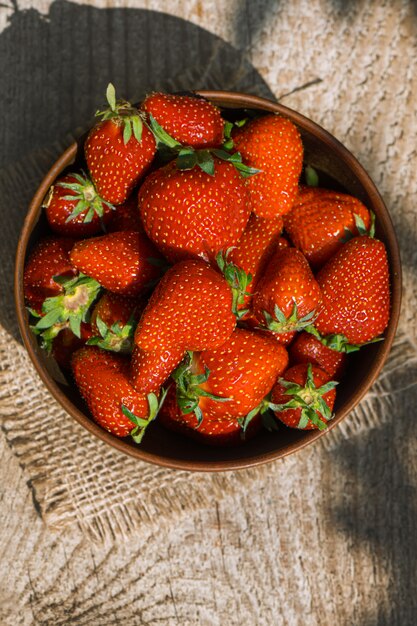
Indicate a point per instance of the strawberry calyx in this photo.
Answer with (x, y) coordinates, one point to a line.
(141, 423)
(124, 114)
(280, 323)
(67, 310)
(187, 157)
(115, 338)
(264, 408)
(238, 280)
(85, 193)
(338, 343)
(309, 398)
(361, 228)
(188, 390)
(228, 142)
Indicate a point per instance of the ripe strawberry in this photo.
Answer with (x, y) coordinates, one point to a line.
(124, 262)
(282, 242)
(126, 217)
(309, 349)
(319, 220)
(151, 368)
(190, 120)
(213, 432)
(48, 259)
(273, 145)
(113, 322)
(74, 209)
(244, 263)
(288, 296)
(102, 379)
(118, 150)
(232, 380)
(189, 213)
(190, 309)
(304, 397)
(356, 294)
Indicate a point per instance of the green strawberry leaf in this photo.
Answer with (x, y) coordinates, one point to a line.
(137, 126)
(269, 421)
(205, 161)
(339, 343)
(188, 390)
(111, 96)
(86, 197)
(127, 131)
(141, 424)
(312, 178)
(245, 421)
(236, 160)
(161, 136)
(186, 159)
(237, 279)
(69, 308)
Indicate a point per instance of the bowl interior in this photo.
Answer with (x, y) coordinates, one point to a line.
(337, 169)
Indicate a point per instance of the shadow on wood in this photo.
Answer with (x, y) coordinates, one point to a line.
(54, 71)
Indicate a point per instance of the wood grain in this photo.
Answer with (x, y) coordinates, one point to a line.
(329, 536)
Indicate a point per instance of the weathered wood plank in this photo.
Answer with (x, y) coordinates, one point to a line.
(329, 536)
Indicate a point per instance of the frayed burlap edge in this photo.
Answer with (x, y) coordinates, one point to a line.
(77, 479)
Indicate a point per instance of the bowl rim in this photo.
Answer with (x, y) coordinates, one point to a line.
(225, 99)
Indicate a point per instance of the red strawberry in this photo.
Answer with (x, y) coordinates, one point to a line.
(113, 322)
(309, 349)
(242, 370)
(287, 296)
(73, 207)
(151, 368)
(189, 213)
(304, 397)
(319, 220)
(49, 258)
(213, 432)
(102, 379)
(282, 243)
(273, 145)
(356, 294)
(126, 216)
(124, 262)
(118, 150)
(190, 120)
(244, 263)
(190, 309)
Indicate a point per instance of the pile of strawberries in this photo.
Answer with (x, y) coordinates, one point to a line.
(190, 275)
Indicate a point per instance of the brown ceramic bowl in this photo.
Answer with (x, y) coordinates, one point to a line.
(335, 164)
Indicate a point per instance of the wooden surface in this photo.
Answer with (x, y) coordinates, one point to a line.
(328, 537)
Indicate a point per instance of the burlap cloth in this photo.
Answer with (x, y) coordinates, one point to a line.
(76, 478)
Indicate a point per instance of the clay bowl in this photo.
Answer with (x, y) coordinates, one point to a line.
(338, 169)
